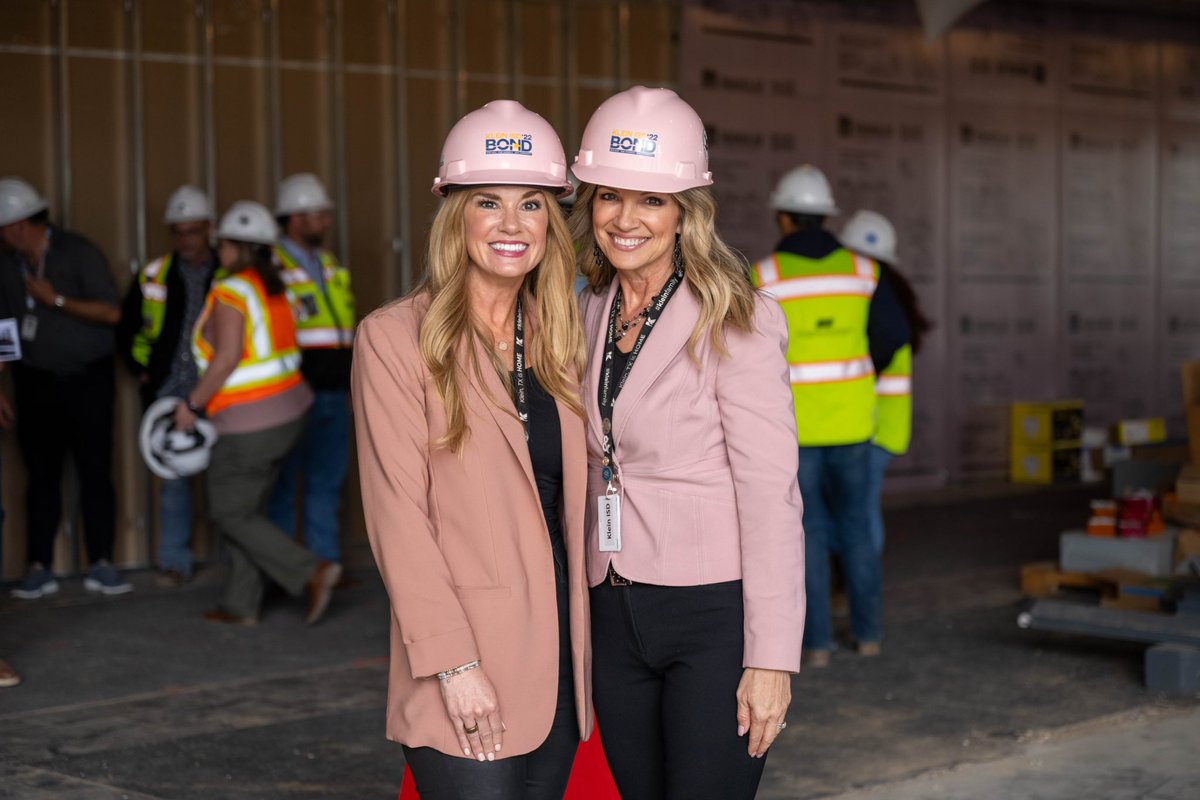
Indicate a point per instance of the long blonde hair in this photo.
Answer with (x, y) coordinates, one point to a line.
(449, 333)
(718, 275)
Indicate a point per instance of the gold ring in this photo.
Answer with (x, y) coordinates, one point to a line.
(473, 729)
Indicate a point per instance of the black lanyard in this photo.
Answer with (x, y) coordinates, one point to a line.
(519, 390)
(608, 390)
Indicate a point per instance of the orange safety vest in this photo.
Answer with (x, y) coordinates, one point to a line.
(270, 362)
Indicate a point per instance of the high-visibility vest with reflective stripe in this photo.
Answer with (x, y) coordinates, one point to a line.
(152, 282)
(324, 320)
(893, 404)
(827, 302)
(270, 362)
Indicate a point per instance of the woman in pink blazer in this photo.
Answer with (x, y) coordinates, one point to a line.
(473, 463)
(695, 546)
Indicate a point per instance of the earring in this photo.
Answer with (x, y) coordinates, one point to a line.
(677, 257)
(598, 255)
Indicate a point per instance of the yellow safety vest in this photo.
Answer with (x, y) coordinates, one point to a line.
(893, 404)
(270, 362)
(152, 282)
(827, 302)
(324, 320)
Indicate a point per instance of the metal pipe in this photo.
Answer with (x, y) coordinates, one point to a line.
(207, 81)
(274, 108)
(62, 95)
(570, 22)
(458, 59)
(401, 244)
(337, 103)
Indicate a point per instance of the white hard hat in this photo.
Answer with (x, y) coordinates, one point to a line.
(187, 204)
(804, 190)
(248, 221)
(172, 453)
(870, 233)
(18, 201)
(300, 193)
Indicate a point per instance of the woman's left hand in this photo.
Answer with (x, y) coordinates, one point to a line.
(763, 696)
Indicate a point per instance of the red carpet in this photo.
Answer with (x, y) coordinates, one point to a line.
(590, 777)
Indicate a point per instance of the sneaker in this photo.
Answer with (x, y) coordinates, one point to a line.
(38, 583)
(103, 577)
(816, 659)
(870, 649)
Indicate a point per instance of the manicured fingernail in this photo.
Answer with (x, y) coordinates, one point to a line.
(491, 756)
(466, 752)
(481, 756)
(741, 730)
(497, 748)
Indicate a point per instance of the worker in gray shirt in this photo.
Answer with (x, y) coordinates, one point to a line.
(58, 287)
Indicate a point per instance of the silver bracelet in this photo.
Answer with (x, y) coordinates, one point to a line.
(450, 673)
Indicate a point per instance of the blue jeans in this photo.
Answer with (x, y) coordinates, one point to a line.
(175, 525)
(834, 483)
(880, 459)
(321, 455)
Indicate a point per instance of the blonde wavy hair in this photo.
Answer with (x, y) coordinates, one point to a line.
(718, 275)
(554, 334)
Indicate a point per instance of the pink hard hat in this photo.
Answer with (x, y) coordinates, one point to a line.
(502, 143)
(648, 140)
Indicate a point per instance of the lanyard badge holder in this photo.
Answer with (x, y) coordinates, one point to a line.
(608, 505)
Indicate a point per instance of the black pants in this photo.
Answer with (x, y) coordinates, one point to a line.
(57, 414)
(666, 663)
(539, 775)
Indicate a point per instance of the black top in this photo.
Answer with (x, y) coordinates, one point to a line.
(545, 452)
(887, 326)
(620, 359)
(63, 344)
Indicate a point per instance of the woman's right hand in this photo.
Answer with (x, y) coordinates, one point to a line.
(471, 701)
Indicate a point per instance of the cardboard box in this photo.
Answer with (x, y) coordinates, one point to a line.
(1140, 431)
(1045, 465)
(1187, 485)
(1153, 556)
(1043, 424)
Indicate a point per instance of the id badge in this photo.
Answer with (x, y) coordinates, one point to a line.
(29, 325)
(609, 517)
(308, 307)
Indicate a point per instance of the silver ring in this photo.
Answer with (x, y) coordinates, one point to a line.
(781, 725)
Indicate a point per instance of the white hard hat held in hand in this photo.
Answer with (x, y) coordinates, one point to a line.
(18, 201)
(172, 453)
(248, 221)
(188, 204)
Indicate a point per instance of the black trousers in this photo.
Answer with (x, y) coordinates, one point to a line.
(539, 775)
(57, 414)
(666, 663)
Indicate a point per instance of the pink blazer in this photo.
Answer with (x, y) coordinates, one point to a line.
(461, 542)
(707, 457)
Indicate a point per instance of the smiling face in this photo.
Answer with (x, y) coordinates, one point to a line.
(505, 230)
(635, 230)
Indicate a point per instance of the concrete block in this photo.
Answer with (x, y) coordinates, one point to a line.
(1173, 668)
(1154, 556)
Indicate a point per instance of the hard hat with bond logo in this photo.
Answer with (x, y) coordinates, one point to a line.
(871, 234)
(169, 452)
(502, 143)
(804, 190)
(18, 201)
(187, 204)
(647, 140)
(248, 221)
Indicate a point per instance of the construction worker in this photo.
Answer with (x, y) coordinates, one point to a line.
(844, 325)
(325, 319)
(871, 234)
(250, 386)
(57, 286)
(155, 337)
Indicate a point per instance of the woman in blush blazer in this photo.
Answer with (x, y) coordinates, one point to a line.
(695, 544)
(473, 462)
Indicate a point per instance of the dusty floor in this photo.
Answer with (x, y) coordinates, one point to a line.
(137, 697)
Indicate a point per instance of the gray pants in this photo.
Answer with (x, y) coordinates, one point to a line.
(241, 476)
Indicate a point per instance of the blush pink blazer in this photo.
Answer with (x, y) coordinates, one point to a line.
(707, 456)
(461, 542)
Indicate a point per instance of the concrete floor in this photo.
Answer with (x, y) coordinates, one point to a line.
(138, 697)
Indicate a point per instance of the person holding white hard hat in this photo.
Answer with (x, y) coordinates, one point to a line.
(250, 388)
(695, 545)
(325, 320)
(472, 456)
(845, 326)
(58, 288)
(160, 310)
(871, 234)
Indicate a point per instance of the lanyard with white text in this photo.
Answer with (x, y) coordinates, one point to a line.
(608, 389)
(519, 389)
